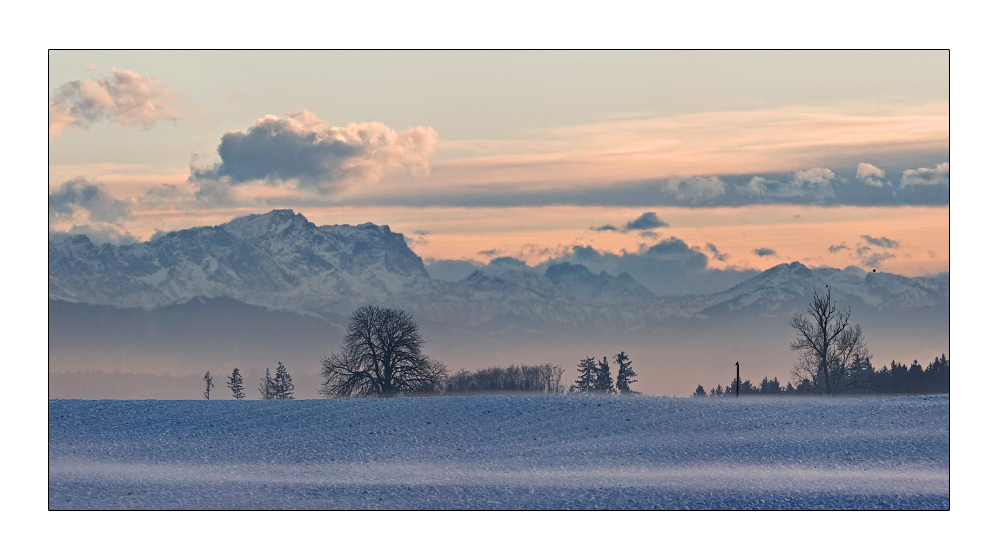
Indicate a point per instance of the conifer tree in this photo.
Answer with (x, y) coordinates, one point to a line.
(603, 383)
(625, 374)
(235, 382)
(208, 385)
(699, 392)
(267, 386)
(587, 375)
(283, 387)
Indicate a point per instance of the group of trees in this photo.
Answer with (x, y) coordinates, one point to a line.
(896, 379)
(277, 387)
(833, 359)
(382, 355)
(595, 377)
(541, 379)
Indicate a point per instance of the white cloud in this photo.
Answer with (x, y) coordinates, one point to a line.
(125, 97)
(814, 184)
(939, 175)
(872, 175)
(694, 189)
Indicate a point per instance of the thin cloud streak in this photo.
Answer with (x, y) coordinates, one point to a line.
(735, 142)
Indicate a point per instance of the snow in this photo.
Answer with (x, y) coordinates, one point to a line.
(502, 452)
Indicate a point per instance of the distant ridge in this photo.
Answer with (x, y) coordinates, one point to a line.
(281, 260)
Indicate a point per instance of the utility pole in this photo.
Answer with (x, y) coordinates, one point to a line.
(737, 382)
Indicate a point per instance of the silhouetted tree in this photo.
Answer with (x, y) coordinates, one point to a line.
(381, 355)
(235, 382)
(603, 383)
(717, 391)
(544, 378)
(283, 387)
(587, 376)
(699, 392)
(829, 346)
(938, 375)
(208, 385)
(625, 374)
(267, 386)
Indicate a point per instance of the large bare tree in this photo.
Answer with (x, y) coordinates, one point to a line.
(831, 349)
(381, 355)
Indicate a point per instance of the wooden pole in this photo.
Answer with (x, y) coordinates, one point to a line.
(737, 382)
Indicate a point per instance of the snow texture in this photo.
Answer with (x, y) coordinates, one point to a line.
(502, 452)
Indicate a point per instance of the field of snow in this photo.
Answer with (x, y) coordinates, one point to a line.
(502, 452)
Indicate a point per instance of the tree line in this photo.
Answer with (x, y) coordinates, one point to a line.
(278, 386)
(833, 359)
(382, 355)
(896, 379)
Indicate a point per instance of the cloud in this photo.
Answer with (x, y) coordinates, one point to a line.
(764, 252)
(871, 252)
(82, 194)
(811, 184)
(871, 175)
(881, 242)
(607, 227)
(98, 234)
(939, 175)
(716, 254)
(304, 149)
(874, 260)
(669, 267)
(694, 189)
(648, 220)
(158, 196)
(124, 97)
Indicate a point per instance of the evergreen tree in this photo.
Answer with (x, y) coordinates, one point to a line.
(283, 387)
(587, 375)
(267, 386)
(625, 375)
(938, 375)
(603, 382)
(699, 392)
(235, 382)
(208, 385)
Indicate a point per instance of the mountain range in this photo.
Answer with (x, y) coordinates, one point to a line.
(309, 278)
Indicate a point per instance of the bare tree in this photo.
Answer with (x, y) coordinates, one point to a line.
(208, 385)
(831, 350)
(381, 355)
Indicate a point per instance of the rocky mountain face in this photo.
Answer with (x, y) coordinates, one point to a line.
(278, 260)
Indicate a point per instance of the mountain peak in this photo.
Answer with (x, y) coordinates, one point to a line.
(271, 224)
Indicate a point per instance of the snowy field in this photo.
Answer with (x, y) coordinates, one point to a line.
(502, 452)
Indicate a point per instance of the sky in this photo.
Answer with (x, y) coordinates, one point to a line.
(697, 167)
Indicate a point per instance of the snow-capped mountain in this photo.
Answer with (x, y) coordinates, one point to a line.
(785, 286)
(279, 259)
